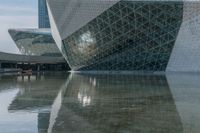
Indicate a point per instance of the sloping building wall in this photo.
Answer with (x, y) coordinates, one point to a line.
(67, 16)
(186, 53)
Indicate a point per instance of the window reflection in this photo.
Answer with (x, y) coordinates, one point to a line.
(86, 92)
(93, 82)
(85, 41)
(83, 97)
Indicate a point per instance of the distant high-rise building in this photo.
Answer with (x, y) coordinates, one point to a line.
(43, 14)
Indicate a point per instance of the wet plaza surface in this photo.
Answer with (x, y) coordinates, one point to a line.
(103, 103)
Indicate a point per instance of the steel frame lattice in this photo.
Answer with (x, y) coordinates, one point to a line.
(130, 35)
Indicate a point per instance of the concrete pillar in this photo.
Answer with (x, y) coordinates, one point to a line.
(38, 76)
(38, 67)
(29, 66)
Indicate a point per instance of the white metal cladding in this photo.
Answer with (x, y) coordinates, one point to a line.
(54, 29)
(71, 15)
(186, 53)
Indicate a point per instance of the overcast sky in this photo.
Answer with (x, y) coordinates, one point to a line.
(16, 14)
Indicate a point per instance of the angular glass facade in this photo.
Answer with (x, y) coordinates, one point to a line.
(131, 35)
(35, 42)
(43, 20)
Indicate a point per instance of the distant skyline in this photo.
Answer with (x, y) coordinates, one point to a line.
(16, 14)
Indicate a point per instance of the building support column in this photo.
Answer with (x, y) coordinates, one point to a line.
(38, 67)
(29, 66)
(0, 65)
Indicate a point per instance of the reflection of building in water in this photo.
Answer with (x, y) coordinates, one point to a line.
(43, 122)
(186, 93)
(117, 103)
(37, 95)
(7, 82)
(112, 103)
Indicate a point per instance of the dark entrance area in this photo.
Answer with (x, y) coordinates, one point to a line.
(35, 66)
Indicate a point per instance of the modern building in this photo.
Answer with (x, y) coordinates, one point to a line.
(43, 20)
(35, 42)
(127, 35)
(37, 46)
